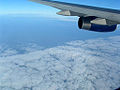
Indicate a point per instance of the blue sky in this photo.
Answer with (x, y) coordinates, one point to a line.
(32, 28)
(25, 6)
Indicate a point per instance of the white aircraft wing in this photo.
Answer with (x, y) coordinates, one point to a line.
(82, 10)
(91, 18)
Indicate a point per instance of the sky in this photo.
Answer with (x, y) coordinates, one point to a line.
(25, 6)
(26, 16)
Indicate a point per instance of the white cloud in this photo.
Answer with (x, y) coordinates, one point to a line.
(83, 65)
(42, 15)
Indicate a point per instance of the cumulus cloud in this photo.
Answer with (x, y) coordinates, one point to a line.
(78, 65)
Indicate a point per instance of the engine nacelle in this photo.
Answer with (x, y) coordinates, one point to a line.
(85, 23)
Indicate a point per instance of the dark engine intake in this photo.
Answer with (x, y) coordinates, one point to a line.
(85, 23)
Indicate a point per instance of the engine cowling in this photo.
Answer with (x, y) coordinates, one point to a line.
(85, 23)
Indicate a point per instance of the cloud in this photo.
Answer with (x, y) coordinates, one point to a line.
(42, 15)
(77, 65)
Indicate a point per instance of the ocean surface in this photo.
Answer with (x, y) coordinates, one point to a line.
(16, 30)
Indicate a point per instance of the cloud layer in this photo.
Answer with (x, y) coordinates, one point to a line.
(78, 65)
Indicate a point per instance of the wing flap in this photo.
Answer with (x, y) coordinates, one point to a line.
(70, 13)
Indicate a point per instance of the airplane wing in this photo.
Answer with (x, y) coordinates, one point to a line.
(91, 18)
(69, 9)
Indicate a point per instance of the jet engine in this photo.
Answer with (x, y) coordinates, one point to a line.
(95, 24)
